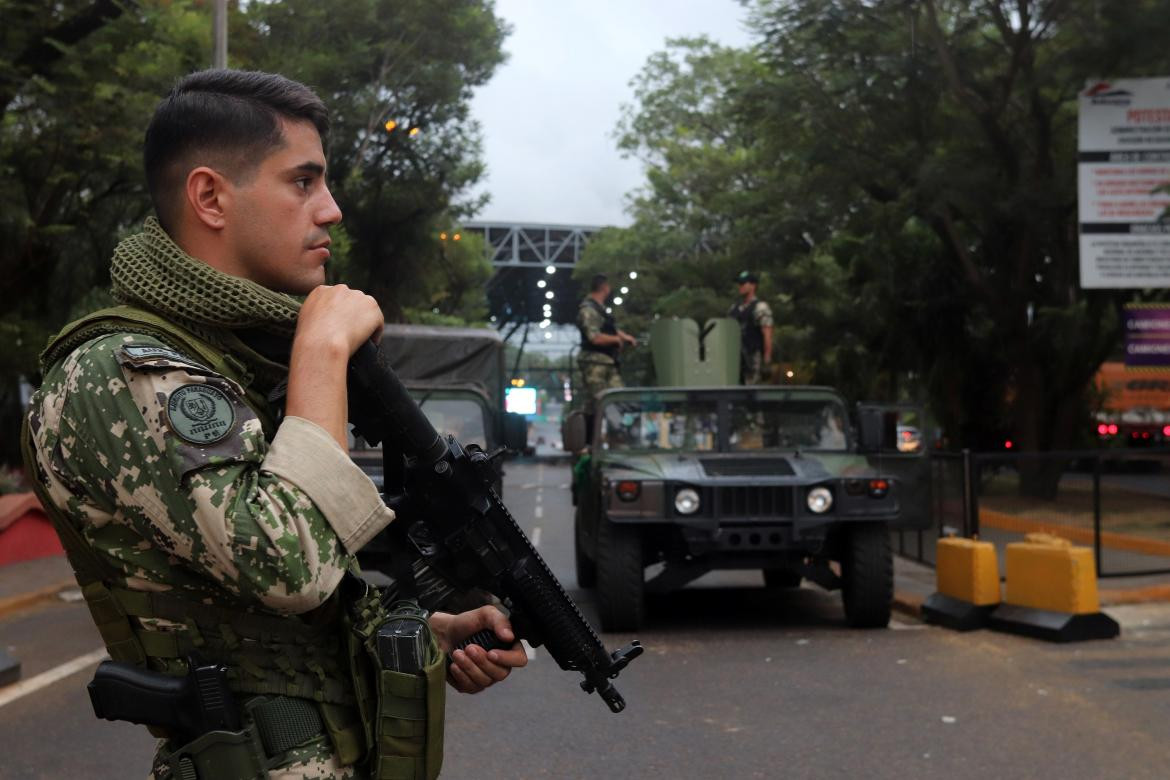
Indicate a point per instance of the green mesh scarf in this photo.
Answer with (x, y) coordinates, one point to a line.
(151, 272)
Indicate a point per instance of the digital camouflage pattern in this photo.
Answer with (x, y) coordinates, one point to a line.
(753, 362)
(598, 371)
(590, 321)
(314, 761)
(177, 501)
(201, 518)
(598, 377)
(753, 368)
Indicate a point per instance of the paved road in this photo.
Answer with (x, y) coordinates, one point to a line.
(736, 683)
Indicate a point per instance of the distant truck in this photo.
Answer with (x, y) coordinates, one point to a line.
(457, 377)
(782, 479)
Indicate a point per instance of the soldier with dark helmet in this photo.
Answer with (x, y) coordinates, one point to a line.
(601, 345)
(755, 326)
(191, 448)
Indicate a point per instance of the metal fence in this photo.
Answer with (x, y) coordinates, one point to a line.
(1116, 501)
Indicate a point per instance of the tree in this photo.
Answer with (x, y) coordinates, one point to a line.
(80, 80)
(403, 151)
(910, 184)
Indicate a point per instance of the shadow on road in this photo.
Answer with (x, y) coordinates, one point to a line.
(739, 609)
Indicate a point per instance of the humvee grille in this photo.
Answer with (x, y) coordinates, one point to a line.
(747, 467)
(753, 501)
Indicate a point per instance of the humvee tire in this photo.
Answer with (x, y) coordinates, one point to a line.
(780, 579)
(586, 569)
(867, 574)
(621, 585)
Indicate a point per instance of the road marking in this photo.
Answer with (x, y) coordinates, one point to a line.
(528, 486)
(538, 512)
(44, 679)
(539, 497)
(897, 625)
(536, 536)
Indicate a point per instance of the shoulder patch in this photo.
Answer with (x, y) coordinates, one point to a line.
(200, 413)
(146, 351)
(158, 356)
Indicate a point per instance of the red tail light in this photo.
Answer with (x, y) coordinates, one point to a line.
(878, 488)
(628, 490)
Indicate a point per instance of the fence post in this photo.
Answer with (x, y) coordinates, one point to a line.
(970, 496)
(1097, 512)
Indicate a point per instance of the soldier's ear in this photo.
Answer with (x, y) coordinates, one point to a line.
(207, 196)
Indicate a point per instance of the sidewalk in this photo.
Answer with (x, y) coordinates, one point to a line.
(914, 582)
(28, 582)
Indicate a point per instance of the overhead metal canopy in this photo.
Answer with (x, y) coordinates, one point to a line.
(534, 266)
(518, 244)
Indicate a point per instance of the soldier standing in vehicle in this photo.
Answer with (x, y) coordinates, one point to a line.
(601, 345)
(755, 327)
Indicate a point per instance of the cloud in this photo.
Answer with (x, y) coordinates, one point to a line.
(549, 113)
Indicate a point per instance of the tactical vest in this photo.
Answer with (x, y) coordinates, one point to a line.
(751, 336)
(609, 327)
(317, 671)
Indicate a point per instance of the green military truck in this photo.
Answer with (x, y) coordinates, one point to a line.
(788, 480)
(457, 377)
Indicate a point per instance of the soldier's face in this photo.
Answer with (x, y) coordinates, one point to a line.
(279, 219)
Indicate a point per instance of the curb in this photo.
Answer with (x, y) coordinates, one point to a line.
(1147, 595)
(908, 604)
(14, 604)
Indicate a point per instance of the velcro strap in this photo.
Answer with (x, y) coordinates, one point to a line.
(404, 686)
(283, 723)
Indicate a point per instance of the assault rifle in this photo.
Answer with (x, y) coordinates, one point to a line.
(457, 525)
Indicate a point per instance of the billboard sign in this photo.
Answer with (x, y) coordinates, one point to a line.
(1123, 181)
(1147, 334)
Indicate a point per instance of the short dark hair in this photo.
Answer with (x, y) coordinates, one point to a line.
(226, 119)
(597, 282)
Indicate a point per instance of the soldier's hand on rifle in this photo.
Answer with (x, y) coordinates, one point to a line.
(627, 338)
(474, 669)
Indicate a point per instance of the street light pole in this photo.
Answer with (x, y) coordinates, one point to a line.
(219, 30)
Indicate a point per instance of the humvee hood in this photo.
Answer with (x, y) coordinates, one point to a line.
(768, 467)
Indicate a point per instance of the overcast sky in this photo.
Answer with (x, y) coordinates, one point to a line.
(549, 113)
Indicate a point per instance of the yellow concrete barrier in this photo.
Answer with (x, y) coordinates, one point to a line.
(1047, 572)
(968, 570)
(1051, 592)
(967, 578)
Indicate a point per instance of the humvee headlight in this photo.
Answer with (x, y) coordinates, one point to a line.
(686, 501)
(820, 500)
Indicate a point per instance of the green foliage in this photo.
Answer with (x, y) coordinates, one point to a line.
(903, 177)
(79, 81)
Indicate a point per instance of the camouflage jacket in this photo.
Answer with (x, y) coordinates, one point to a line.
(166, 470)
(592, 321)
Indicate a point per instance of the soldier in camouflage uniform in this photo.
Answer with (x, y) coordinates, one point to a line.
(191, 444)
(601, 345)
(755, 327)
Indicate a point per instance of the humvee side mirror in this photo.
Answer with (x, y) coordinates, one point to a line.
(573, 432)
(889, 429)
(515, 431)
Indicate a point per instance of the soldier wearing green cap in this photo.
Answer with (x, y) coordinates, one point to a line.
(755, 326)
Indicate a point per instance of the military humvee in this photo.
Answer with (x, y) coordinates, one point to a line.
(777, 478)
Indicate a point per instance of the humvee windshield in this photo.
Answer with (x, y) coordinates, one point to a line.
(660, 425)
(790, 424)
(816, 422)
(456, 417)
